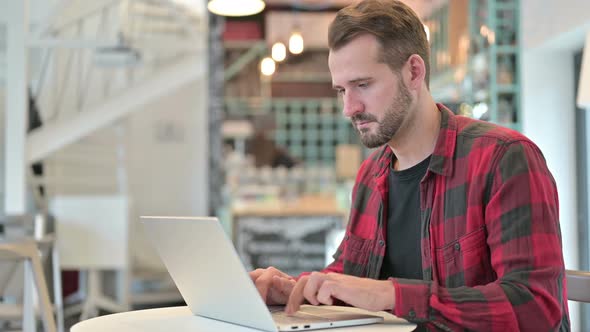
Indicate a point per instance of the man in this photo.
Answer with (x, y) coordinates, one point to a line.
(454, 222)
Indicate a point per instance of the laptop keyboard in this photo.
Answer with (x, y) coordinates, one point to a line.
(276, 308)
(309, 315)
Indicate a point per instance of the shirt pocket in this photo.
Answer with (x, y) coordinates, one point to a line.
(464, 261)
(356, 254)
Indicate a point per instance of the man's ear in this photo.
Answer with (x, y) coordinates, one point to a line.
(415, 72)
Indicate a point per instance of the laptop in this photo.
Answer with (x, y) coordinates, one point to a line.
(213, 282)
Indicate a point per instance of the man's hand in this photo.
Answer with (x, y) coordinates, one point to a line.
(273, 285)
(320, 288)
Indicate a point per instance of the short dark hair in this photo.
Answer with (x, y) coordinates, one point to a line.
(395, 25)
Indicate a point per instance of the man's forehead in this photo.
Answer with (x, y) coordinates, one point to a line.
(363, 47)
(351, 59)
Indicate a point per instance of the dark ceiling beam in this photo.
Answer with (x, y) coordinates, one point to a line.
(302, 8)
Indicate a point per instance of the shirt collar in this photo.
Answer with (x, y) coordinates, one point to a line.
(444, 150)
(441, 161)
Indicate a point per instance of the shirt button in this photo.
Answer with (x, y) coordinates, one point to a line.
(381, 243)
(346, 237)
(412, 313)
(457, 246)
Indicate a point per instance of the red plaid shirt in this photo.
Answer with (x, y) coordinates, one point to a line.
(491, 243)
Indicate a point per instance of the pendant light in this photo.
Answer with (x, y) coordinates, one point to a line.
(235, 7)
(279, 52)
(296, 43)
(267, 66)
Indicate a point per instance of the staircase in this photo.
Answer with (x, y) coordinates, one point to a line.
(94, 63)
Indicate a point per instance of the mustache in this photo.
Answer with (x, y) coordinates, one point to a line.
(362, 117)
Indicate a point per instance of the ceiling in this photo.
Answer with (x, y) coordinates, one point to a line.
(313, 22)
(422, 7)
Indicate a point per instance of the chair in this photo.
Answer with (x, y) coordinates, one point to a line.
(93, 237)
(29, 239)
(578, 285)
(26, 250)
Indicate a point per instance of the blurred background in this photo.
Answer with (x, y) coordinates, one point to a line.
(113, 109)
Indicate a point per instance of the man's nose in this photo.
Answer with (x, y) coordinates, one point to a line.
(351, 105)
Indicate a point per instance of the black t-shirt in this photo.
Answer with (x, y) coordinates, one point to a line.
(403, 257)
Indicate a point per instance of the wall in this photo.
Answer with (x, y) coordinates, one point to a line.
(548, 101)
(167, 153)
(547, 21)
(548, 119)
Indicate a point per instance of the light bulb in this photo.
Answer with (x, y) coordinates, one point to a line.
(235, 7)
(267, 66)
(279, 52)
(296, 43)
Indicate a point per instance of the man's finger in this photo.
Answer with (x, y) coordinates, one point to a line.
(275, 297)
(275, 271)
(327, 292)
(296, 297)
(316, 279)
(256, 273)
(279, 291)
(283, 285)
(263, 283)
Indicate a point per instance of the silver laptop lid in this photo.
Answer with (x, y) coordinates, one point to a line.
(207, 270)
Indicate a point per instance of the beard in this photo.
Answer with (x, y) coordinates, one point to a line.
(392, 121)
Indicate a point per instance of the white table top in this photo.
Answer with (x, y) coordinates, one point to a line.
(181, 319)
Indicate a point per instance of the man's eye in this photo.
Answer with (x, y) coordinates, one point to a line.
(340, 91)
(363, 85)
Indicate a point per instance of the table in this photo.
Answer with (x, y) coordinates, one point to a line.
(181, 319)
